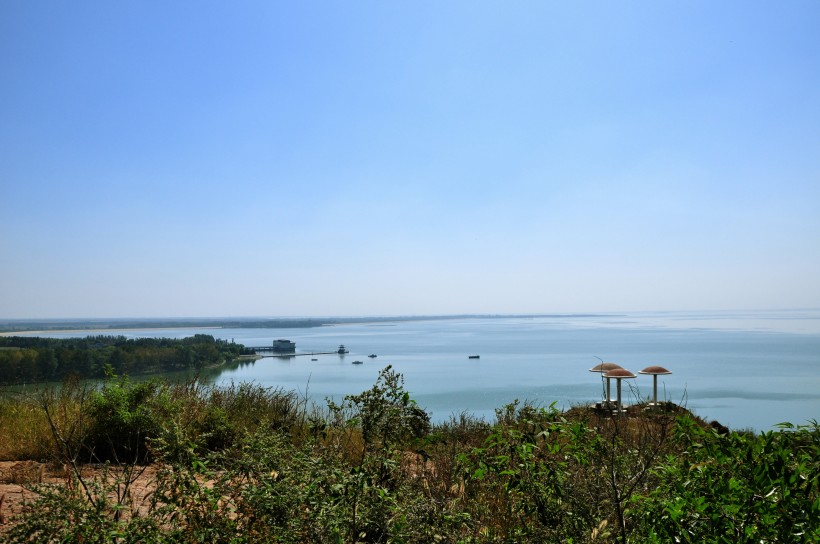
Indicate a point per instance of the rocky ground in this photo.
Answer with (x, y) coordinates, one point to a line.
(18, 480)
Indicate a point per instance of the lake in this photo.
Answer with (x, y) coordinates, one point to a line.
(744, 369)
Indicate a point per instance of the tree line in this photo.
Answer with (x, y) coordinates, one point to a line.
(32, 359)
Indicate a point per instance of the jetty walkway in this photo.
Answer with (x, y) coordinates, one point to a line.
(273, 353)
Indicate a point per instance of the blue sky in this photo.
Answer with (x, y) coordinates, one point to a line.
(359, 158)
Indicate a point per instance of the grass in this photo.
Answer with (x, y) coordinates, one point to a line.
(24, 431)
(245, 463)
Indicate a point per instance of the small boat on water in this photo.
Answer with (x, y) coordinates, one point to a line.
(473, 356)
(372, 355)
(342, 350)
(358, 363)
(314, 359)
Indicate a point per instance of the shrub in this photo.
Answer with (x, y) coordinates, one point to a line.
(248, 464)
(125, 417)
(737, 487)
(385, 414)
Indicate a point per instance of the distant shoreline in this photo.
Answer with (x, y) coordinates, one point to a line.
(28, 327)
(101, 330)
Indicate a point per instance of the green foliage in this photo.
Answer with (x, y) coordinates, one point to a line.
(25, 359)
(519, 475)
(385, 414)
(738, 487)
(125, 417)
(384, 418)
(250, 464)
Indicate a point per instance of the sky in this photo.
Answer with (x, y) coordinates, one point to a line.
(321, 158)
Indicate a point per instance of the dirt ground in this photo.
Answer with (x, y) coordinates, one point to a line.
(18, 478)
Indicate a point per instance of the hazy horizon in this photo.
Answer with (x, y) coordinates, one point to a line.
(730, 312)
(366, 159)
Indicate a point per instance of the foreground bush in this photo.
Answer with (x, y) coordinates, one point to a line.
(737, 488)
(249, 464)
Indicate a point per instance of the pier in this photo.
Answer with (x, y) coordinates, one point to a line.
(273, 352)
(286, 348)
(289, 355)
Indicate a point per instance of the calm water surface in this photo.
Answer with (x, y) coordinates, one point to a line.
(746, 370)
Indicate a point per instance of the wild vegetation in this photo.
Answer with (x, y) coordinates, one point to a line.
(31, 359)
(250, 464)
